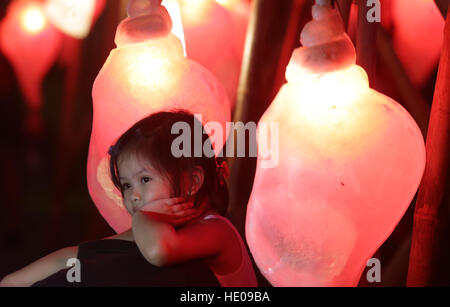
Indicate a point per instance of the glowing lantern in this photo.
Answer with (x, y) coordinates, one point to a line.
(350, 161)
(31, 44)
(212, 40)
(74, 17)
(240, 12)
(417, 34)
(146, 73)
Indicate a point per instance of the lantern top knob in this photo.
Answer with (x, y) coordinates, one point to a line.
(147, 19)
(323, 2)
(326, 46)
(136, 8)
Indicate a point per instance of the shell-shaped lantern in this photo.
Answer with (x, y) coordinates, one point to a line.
(146, 73)
(350, 160)
(25, 36)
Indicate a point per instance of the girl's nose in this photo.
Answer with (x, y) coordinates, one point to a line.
(136, 196)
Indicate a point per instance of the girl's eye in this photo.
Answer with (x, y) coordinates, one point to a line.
(125, 186)
(146, 179)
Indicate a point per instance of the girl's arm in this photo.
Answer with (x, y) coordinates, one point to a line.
(40, 269)
(161, 244)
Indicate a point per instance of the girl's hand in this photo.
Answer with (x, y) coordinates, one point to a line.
(174, 211)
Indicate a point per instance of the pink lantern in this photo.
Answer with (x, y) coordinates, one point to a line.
(31, 44)
(350, 161)
(146, 73)
(240, 12)
(418, 28)
(214, 40)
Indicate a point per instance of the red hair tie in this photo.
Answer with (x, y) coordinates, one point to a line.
(223, 171)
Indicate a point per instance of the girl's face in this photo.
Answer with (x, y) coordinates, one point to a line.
(141, 183)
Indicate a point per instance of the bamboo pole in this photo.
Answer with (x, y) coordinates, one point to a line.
(424, 247)
(344, 7)
(300, 15)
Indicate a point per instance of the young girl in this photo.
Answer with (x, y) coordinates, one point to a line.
(176, 206)
(177, 203)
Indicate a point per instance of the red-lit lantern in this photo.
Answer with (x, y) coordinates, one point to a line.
(146, 73)
(350, 161)
(214, 39)
(240, 12)
(418, 28)
(31, 44)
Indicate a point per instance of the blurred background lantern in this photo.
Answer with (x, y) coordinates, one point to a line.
(146, 73)
(225, 27)
(74, 18)
(25, 36)
(350, 161)
(240, 13)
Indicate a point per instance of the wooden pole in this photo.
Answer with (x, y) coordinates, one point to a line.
(344, 7)
(424, 247)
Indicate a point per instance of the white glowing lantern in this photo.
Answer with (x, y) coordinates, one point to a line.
(146, 73)
(74, 18)
(350, 161)
(31, 44)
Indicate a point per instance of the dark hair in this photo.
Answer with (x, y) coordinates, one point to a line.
(151, 139)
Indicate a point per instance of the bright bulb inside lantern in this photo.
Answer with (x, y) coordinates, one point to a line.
(33, 20)
(343, 87)
(331, 104)
(151, 66)
(148, 70)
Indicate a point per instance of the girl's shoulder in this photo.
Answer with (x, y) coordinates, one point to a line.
(231, 258)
